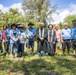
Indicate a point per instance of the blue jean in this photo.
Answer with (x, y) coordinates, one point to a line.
(13, 48)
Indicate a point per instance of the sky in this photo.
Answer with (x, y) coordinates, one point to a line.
(64, 8)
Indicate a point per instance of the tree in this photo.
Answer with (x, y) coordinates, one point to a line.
(61, 25)
(13, 16)
(39, 10)
(69, 19)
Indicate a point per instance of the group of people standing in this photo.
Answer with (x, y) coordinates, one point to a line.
(13, 39)
(50, 40)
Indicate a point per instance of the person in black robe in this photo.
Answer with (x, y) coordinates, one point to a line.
(41, 40)
(51, 40)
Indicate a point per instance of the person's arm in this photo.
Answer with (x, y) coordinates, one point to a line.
(37, 35)
(17, 38)
(11, 36)
(61, 38)
(24, 38)
(27, 33)
(54, 37)
(46, 34)
(34, 32)
(18, 33)
(1, 35)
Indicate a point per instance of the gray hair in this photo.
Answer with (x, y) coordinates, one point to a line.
(65, 23)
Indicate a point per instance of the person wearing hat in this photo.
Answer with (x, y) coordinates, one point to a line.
(21, 39)
(30, 34)
(8, 38)
(42, 40)
(51, 40)
(66, 38)
(73, 35)
(18, 24)
(13, 40)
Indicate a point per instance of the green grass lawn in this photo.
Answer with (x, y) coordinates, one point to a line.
(34, 65)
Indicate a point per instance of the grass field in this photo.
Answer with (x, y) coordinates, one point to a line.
(34, 65)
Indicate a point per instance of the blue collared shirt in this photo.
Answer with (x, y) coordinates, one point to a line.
(14, 34)
(66, 33)
(73, 32)
(31, 32)
(8, 34)
(0, 33)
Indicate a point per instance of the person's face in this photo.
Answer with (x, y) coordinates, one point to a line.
(50, 27)
(56, 27)
(20, 29)
(41, 25)
(74, 23)
(14, 27)
(65, 26)
(4, 27)
(30, 26)
(9, 26)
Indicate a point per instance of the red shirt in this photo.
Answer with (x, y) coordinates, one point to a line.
(3, 35)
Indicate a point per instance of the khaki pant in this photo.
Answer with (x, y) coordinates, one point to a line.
(4, 46)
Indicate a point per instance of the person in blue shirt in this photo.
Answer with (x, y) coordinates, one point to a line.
(66, 38)
(1, 50)
(13, 40)
(0, 34)
(73, 36)
(8, 38)
(30, 34)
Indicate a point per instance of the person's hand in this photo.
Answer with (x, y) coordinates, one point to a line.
(54, 42)
(70, 41)
(28, 36)
(15, 40)
(61, 41)
(42, 39)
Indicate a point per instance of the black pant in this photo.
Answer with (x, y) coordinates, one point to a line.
(7, 46)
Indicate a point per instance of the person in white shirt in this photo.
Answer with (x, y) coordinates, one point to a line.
(21, 41)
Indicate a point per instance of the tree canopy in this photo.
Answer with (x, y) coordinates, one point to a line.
(38, 10)
(35, 11)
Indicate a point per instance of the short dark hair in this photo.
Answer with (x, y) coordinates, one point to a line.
(73, 20)
(13, 25)
(49, 25)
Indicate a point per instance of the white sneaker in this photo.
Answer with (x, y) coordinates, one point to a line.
(6, 54)
(16, 58)
(11, 58)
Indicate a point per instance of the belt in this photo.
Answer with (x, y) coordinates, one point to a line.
(66, 39)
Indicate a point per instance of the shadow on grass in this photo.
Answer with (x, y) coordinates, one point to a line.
(34, 67)
(68, 64)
